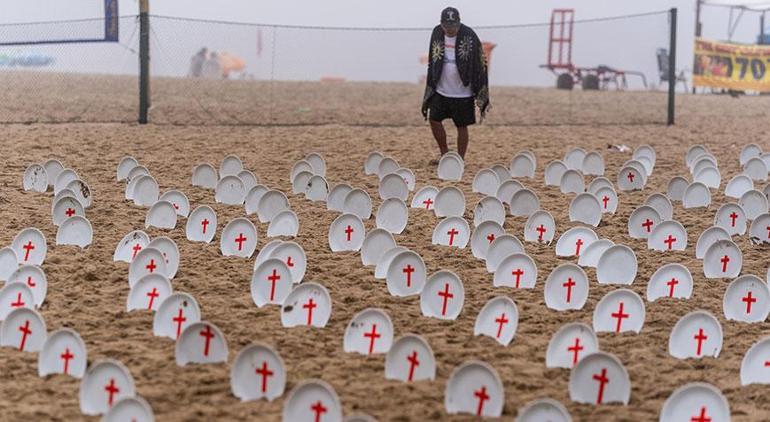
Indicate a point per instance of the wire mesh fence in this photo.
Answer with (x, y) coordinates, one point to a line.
(226, 73)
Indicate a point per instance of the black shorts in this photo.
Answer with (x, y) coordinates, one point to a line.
(462, 111)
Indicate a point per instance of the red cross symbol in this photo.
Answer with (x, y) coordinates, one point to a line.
(408, 270)
(413, 363)
(152, 295)
(619, 315)
(768, 232)
(575, 350)
(540, 230)
(70, 212)
(518, 273)
(136, 250)
(452, 234)
(647, 225)
(605, 199)
(568, 284)
(310, 305)
(578, 244)
(272, 279)
(24, 332)
(733, 217)
(671, 283)
(111, 389)
(265, 372)
(491, 237)
(319, 409)
(239, 240)
(602, 378)
(428, 202)
(482, 396)
(151, 266)
(372, 336)
(670, 241)
(18, 302)
(209, 335)
(630, 177)
(31, 283)
(204, 223)
(446, 295)
(179, 319)
(28, 248)
(289, 263)
(349, 231)
(66, 356)
(176, 207)
(703, 417)
(725, 259)
(700, 338)
(749, 300)
(502, 320)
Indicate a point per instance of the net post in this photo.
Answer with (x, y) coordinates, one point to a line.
(144, 60)
(672, 67)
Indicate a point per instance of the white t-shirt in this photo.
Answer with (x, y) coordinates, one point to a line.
(450, 84)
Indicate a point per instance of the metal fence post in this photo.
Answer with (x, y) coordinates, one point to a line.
(144, 60)
(672, 68)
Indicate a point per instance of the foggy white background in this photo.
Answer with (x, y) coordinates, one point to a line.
(379, 56)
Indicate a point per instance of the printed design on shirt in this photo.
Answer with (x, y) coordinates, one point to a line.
(463, 50)
(436, 51)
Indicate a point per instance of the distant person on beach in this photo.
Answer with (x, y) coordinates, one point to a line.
(457, 80)
(212, 69)
(196, 63)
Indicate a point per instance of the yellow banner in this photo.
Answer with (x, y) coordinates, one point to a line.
(731, 66)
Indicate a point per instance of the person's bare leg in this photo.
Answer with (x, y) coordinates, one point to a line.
(440, 135)
(462, 140)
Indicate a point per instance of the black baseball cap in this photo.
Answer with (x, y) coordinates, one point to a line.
(450, 16)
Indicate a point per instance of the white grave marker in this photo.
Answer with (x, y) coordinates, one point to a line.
(271, 204)
(593, 252)
(642, 221)
(175, 314)
(540, 227)
(450, 202)
(369, 332)
(406, 274)
(271, 283)
(619, 311)
(35, 178)
(668, 236)
(148, 293)
(258, 372)
(358, 202)
(239, 238)
(571, 343)
(34, 278)
(753, 369)
(200, 342)
(443, 296)
(517, 270)
(524, 203)
(179, 201)
(566, 288)
(63, 352)
(148, 261)
(30, 246)
(410, 359)
(599, 378)
(23, 329)
(161, 215)
(134, 409)
(617, 265)
(695, 402)
(500, 248)
(312, 400)
(286, 223)
(696, 335)
(346, 233)
(575, 240)
(747, 299)
(498, 319)
(489, 209)
(105, 383)
(585, 208)
(483, 236)
(723, 259)
(671, 281)
(376, 243)
(474, 388)
(201, 225)
(452, 231)
(392, 215)
(309, 304)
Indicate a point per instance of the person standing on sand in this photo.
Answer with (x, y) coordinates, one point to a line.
(457, 80)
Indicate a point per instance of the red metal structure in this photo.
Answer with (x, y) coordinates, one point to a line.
(560, 39)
